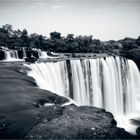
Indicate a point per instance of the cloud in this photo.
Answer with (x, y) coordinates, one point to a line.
(58, 7)
(37, 4)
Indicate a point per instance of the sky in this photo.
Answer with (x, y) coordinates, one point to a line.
(104, 19)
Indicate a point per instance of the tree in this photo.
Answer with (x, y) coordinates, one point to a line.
(17, 41)
(8, 29)
(129, 43)
(37, 41)
(138, 41)
(24, 38)
(55, 35)
(70, 38)
(6, 33)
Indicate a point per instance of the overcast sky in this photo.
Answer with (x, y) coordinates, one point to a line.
(104, 19)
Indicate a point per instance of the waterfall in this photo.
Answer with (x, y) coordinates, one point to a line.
(24, 53)
(11, 55)
(52, 77)
(112, 83)
(43, 54)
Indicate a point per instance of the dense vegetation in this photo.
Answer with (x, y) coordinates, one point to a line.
(17, 39)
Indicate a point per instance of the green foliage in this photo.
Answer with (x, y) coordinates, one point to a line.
(55, 35)
(129, 43)
(17, 39)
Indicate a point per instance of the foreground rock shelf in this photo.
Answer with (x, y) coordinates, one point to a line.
(29, 112)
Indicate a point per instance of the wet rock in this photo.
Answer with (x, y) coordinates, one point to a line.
(74, 122)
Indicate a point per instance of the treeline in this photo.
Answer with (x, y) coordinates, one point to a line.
(18, 39)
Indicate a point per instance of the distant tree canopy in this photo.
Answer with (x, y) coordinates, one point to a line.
(18, 39)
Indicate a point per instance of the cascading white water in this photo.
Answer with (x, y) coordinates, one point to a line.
(53, 77)
(24, 53)
(11, 55)
(110, 83)
(43, 54)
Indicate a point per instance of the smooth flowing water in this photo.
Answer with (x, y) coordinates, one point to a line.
(11, 55)
(112, 83)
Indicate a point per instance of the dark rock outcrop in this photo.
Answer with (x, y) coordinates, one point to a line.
(138, 131)
(35, 54)
(32, 55)
(72, 122)
(20, 54)
(31, 59)
(2, 55)
(29, 53)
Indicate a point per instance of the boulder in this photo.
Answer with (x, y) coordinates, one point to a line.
(73, 122)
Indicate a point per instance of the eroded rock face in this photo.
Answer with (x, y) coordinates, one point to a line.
(2, 55)
(72, 122)
(20, 54)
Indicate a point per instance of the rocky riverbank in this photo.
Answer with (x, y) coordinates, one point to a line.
(27, 112)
